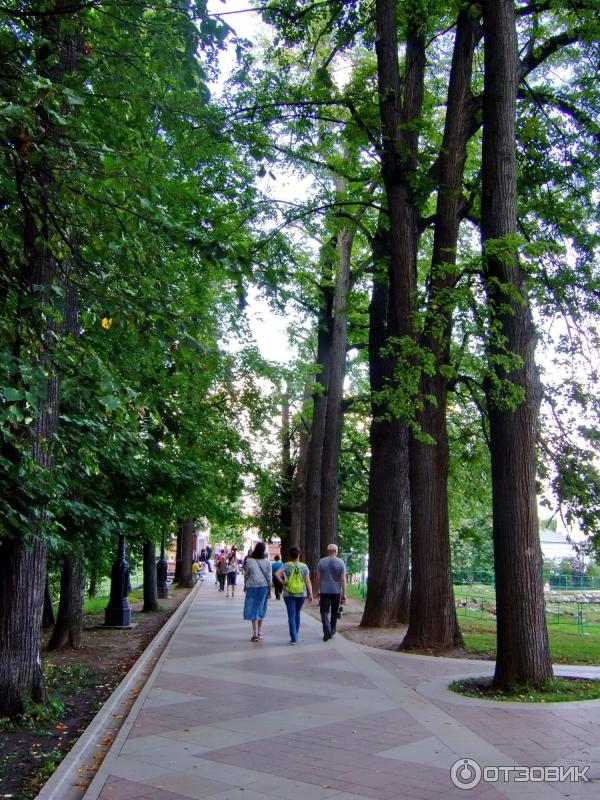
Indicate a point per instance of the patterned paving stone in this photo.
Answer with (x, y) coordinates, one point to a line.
(224, 718)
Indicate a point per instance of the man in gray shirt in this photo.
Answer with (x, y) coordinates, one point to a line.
(330, 579)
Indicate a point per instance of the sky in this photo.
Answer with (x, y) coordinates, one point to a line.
(268, 329)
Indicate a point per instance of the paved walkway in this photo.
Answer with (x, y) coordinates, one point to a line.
(334, 720)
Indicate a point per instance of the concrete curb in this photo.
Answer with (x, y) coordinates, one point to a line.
(99, 779)
(65, 782)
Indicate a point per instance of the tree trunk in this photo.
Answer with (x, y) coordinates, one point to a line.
(48, 619)
(312, 490)
(297, 527)
(69, 621)
(187, 538)
(23, 558)
(388, 588)
(522, 636)
(434, 620)
(334, 416)
(93, 587)
(287, 470)
(399, 109)
(150, 585)
(21, 604)
(178, 552)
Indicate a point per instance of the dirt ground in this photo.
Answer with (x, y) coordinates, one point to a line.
(384, 638)
(80, 680)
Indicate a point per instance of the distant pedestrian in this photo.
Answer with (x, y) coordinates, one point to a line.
(277, 564)
(233, 566)
(330, 582)
(204, 559)
(221, 567)
(257, 585)
(296, 589)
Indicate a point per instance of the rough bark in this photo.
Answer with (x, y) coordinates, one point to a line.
(334, 415)
(522, 637)
(287, 470)
(388, 588)
(178, 552)
(150, 585)
(48, 619)
(69, 623)
(297, 527)
(21, 604)
(312, 490)
(187, 537)
(399, 108)
(23, 557)
(69, 620)
(434, 620)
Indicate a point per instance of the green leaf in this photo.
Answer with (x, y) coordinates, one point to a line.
(13, 395)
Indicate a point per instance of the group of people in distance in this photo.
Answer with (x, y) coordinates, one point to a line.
(292, 579)
(227, 564)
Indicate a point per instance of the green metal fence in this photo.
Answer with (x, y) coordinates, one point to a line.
(555, 580)
(475, 595)
(582, 615)
(136, 578)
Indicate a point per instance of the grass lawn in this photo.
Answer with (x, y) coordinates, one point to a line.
(567, 646)
(354, 591)
(96, 605)
(559, 691)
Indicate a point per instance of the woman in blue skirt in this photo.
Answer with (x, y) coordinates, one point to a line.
(257, 585)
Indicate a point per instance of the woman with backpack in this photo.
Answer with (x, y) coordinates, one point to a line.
(257, 585)
(296, 588)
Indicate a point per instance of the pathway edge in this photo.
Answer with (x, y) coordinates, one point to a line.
(84, 749)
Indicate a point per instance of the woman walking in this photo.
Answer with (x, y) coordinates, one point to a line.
(296, 588)
(233, 566)
(221, 567)
(257, 585)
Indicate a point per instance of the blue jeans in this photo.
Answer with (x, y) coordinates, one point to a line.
(293, 603)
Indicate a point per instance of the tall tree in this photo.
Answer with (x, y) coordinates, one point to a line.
(23, 552)
(150, 585)
(513, 388)
(187, 535)
(434, 621)
(334, 415)
(314, 459)
(388, 594)
(69, 620)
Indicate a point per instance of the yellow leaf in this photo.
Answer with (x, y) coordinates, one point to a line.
(106, 323)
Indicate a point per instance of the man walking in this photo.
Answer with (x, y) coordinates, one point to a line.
(331, 589)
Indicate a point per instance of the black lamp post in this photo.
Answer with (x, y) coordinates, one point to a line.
(161, 571)
(118, 612)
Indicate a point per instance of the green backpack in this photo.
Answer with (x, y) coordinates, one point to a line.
(295, 581)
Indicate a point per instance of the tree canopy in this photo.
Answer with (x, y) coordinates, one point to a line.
(340, 173)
